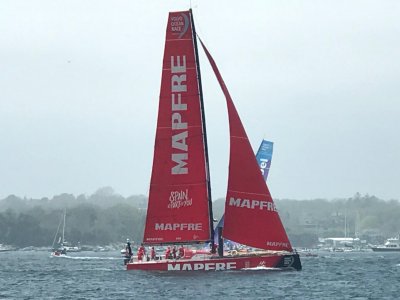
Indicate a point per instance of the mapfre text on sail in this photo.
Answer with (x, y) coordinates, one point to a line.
(179, 154)
(178, 226)
(252, 204)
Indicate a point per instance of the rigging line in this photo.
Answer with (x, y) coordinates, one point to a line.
(55, 237)
(198, 22)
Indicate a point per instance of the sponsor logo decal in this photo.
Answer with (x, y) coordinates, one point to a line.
(178, 226)
(277, 244)
(178, 199)
(288, 261)
(154, 239)
(179, 154)
(263, 165)
(252, 204)
(261, 264)
(179, 24)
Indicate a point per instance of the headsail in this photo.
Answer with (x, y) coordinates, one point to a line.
(264, 157)
(178, 208)
(250, 214)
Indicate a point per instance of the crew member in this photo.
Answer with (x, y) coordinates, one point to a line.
(174, 252)
(168, 252)
(213, 248)
(139, 254)
(128, 249)
(142, 249)
(181, 252)
(152, 253)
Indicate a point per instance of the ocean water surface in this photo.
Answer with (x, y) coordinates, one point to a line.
(101, 275)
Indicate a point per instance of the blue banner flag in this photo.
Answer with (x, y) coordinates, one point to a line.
(264, 156)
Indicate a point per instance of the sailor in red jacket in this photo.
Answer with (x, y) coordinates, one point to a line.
(142, 249)
(141, 252)
(152, 253)
(168, 253)
(181, 252)
(174, 252)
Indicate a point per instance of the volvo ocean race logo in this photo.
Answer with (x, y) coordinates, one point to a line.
(178, 199)
(288, 261)
(179, 25)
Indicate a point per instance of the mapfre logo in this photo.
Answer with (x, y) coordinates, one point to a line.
(179, 24)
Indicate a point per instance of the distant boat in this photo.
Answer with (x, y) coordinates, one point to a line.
(4, 248)
(60, 246)
(391, 245)
(180, 205)
(58, 242)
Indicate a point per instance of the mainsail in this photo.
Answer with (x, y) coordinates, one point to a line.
(251, 217)
(179, 209)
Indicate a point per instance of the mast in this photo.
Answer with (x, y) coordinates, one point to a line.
(57, 232)
(203, 117)
(345, 222)
(65, 212)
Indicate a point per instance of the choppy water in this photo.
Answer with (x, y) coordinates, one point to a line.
(91, 275)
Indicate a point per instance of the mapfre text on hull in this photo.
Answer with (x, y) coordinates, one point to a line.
(283, 262)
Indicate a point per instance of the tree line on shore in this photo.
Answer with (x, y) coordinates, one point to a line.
(107, 218)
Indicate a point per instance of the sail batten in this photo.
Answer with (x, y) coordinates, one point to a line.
(247, 193)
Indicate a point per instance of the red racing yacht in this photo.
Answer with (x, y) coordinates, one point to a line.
(180, 206)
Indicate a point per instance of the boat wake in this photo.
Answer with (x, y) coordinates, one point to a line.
(261, 268)
(87, 257)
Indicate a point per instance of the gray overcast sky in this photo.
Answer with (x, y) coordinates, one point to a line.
(79, 86)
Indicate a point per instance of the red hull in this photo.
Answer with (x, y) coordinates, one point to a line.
(291, 261)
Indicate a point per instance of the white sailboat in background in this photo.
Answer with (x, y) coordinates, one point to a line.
(60, 246)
